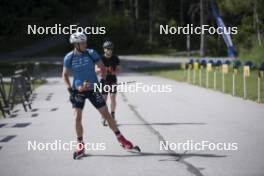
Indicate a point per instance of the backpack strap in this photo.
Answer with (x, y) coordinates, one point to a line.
(89, 55)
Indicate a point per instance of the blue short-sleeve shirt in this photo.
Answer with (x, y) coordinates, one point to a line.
(82, 67)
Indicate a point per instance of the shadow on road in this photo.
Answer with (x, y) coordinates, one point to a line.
(160, 123)
(177, 157)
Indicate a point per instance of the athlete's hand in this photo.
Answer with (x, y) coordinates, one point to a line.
(82, 88)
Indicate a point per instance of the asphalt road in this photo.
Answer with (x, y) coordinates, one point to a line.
(188, 113)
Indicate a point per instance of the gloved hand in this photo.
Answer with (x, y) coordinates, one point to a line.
(70, 90)
(84, 86)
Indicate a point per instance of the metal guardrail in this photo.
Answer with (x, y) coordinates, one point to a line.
(4, 105)
(19, 91)
(221, 71)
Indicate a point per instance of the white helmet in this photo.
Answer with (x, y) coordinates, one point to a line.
(78, 37)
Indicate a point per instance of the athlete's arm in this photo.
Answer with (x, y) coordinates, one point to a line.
(65, 77)
(118, 69)
(102, 68)
(118, 66)
(98, 71)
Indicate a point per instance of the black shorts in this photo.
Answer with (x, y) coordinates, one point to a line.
(111, 85)
(110, 88)
(78, 99)
(111, 79)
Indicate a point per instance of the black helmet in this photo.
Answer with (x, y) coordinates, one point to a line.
(108, 44)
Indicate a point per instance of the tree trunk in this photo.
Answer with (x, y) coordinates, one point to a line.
(135, 16)
(136, 9)
(110, 5)
(201, 23)
(188, 44)
(181, 12)
(150, 23)
(256, 21)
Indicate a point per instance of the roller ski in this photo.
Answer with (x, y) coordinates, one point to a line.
(79, 153)
(127, 145)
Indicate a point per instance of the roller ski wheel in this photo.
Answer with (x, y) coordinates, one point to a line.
(133, 149)
(136, 148)
(79, 153)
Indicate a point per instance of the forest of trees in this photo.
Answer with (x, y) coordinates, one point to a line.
(133, 25)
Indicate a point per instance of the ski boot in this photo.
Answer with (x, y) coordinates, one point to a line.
(79, 151)
(127, 145)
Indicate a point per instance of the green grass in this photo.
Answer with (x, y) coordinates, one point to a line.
(181, 75)
(166, 52)
(255, 54)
